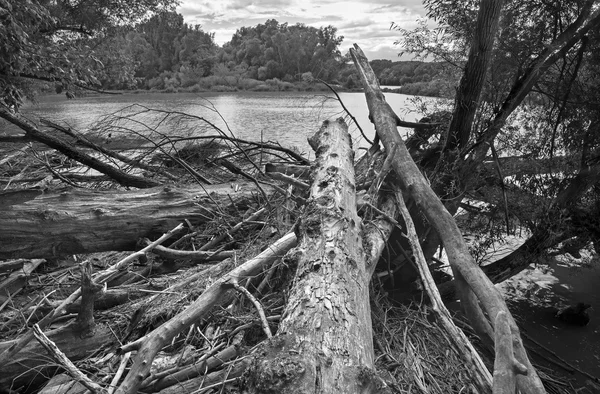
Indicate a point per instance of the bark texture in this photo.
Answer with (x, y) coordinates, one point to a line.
(324, 343)
(85, 221)
(474, 287)
(472, 81)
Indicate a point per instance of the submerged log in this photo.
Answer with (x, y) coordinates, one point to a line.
(325, 342)
(86, 221)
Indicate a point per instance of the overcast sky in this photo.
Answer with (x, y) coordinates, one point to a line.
(365, 22)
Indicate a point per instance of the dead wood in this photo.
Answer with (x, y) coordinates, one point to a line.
(30, 367)
(11, 265)
(506, 367)
(86, 221)
(472, 359)
(474, 286)
(324, 341)
(86, 142)
(19, 344)
(227, 375)
(107, 300)
(192, 256)
(299, 171)
(17, 279)
(90, 290)
(192, 371)
(65, 148)
(65, 363)
(289, 180)
(149, 345)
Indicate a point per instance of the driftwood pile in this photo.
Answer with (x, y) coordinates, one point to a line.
(256, 280)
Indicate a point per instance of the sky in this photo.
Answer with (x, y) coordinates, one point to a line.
(364, 22)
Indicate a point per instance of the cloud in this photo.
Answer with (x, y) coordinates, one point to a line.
(366, 23)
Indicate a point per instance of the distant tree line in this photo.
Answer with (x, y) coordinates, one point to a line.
(166, 53)
(417, 77)
(68, 47)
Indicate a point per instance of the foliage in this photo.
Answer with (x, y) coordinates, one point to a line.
(417, 77)
(53, 41)
(274, 50)
(555, 117)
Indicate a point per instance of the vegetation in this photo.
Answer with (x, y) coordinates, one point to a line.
(71, 48)
(289, 294)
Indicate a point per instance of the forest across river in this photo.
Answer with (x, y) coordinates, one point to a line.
(288, 118)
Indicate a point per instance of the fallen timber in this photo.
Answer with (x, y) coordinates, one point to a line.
(475, 288)
(75, 221)
(325, 338)
(308, 350)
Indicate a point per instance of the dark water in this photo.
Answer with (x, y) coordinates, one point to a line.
(534, 297)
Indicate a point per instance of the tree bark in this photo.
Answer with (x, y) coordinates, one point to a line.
(474, 287)
(472, 81)
(87, 221)
(324, 343)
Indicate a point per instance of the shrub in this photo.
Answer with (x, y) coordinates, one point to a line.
(261, 88)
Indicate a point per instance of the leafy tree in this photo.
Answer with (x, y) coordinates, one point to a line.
(277, 50)
(529, 68)
(52, 41)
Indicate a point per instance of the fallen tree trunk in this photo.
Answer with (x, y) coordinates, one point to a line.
(325, 342)
(85, 221)
(474, 287)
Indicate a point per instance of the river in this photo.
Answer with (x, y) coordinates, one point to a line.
(285, 117)
(289, 118)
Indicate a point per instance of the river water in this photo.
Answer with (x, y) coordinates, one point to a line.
(284, 117)
(289, 118)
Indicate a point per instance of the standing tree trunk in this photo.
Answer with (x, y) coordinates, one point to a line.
(324, 343)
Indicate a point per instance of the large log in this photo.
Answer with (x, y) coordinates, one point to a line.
(325, 342)
(87, 221)
(474, 287)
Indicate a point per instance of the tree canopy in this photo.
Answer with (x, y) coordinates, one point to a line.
(53, 40)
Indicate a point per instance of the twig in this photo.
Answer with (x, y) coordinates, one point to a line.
(289, 180)
(100, 277)
(234, 229)
(346, 110)
(113, 384)
(257, 305)
(64, 361)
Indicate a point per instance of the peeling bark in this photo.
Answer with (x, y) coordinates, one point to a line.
(85, 221)
(474, 287)
(324, 343)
